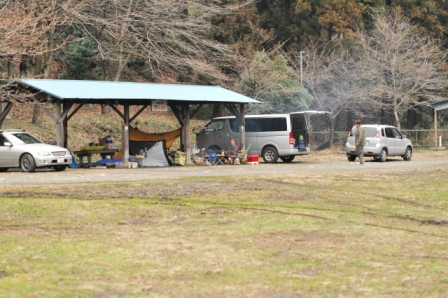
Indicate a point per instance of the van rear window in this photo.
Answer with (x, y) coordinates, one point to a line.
(298, 123)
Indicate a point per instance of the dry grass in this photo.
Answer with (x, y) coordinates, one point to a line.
(324, 234)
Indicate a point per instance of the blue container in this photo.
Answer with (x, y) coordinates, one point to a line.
(300, 144)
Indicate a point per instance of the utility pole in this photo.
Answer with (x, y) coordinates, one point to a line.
(301, 62)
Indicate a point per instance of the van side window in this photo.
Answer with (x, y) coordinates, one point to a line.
(234, 125)
(272, 124)
(251, 125)
(215, 125)
(2, 140)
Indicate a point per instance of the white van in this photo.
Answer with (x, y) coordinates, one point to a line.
(271, 136)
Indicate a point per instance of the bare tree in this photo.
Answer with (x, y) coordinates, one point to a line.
(172, 37)
(333, 76)
(407, 67)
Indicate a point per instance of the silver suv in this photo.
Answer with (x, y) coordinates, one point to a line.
(19, 149)
(381, 141)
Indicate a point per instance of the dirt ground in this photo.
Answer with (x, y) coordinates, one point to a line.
(322, 161)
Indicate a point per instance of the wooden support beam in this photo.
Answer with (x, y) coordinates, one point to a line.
(75, 111)
(117, 111)
(125, 136)
(5, 111)
(138, 113)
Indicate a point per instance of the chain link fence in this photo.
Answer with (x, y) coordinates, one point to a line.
(421, 138)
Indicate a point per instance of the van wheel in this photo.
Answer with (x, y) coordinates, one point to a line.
(383, 155)
(351, 158)
(270, 155)
(287, 158)
(408, 154)
(27, 163)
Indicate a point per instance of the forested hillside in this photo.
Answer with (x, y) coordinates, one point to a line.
(380, 61)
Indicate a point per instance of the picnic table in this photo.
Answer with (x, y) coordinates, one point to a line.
(88, 153)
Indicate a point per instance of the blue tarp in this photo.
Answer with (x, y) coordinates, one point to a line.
(73, 165)
(103, 162)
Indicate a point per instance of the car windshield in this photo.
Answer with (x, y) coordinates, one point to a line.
(24, 138)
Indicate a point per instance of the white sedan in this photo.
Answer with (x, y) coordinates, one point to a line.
(19, 149)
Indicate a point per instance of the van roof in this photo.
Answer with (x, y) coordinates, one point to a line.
(277, 115)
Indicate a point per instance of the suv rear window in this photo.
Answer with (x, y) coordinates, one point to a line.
(369, 131)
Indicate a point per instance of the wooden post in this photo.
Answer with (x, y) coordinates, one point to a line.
(125, 136)
(242, 123)
(435, 127)
(65, 126)
(59, 126)
(187, 133)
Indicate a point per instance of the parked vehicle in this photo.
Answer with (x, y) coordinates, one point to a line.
(381, 141)
(19, 149)
(272, 136)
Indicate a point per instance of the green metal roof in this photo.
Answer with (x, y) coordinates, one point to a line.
(132, 92)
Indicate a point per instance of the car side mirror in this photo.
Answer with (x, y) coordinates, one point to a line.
(7, 144)
(404, 136)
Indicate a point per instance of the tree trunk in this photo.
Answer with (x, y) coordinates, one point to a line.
(332, 121)
(105, 109)
(218, 110)
(397, 120)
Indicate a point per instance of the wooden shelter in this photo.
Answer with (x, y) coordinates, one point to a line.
(68, 96)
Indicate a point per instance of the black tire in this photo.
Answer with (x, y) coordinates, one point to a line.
(59, 168)
(407, 154)
(351, 158)
(270, 155)
(3, 169)
(287, 159)
(27, 163)
(383, 156)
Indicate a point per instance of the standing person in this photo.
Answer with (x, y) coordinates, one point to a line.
(360, 141)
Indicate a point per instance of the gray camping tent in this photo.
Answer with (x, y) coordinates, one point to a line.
(154, 152)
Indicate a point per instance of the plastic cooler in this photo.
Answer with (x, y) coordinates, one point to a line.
(252, 158)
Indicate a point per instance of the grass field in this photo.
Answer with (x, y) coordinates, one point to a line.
(322, 235)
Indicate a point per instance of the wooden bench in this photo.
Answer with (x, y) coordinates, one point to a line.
(88, 153)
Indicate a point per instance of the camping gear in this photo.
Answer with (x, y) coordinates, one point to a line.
(136, 135)
(179, 158)
(154, 156)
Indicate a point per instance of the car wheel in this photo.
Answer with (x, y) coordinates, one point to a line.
(351, 158)
(59, 168)
(287, 158)
(407, 154)
(27, 163)
(3, 169)
(383, 156)
(270, 155)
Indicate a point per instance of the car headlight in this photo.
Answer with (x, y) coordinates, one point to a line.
(43, 153)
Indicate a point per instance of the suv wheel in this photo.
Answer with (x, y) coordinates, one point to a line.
(351, 158)
(383, 155)
(27, 163)
(289, 158)
(269, 155)
(407, 154)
